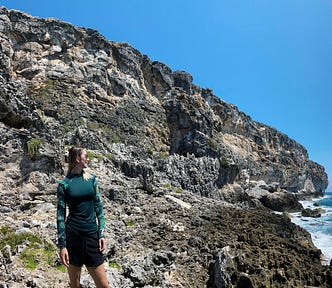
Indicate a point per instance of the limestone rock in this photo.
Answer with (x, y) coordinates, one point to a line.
(315, 213)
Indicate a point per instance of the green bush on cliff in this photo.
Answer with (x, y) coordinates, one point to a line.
(33, 146)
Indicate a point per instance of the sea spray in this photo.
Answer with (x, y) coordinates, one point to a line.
(320, 228)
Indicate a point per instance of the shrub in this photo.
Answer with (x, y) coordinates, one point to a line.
(213, 144)
(110, 157)
(115, 138)
(163, 155)
(130, 223)
(93, 125)
(41, 115)
(93, 155)
(175, 189)
(33, 146)
(114, 265)
(66, 128)
(224, 162)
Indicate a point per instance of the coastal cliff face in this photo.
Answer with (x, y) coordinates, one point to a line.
(188, 180)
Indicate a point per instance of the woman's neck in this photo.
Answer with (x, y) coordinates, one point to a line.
(76, 170)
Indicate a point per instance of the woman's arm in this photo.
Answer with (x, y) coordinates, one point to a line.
(99, 210)
(61, 215)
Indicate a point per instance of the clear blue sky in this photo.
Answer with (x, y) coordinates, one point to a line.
(271, 58)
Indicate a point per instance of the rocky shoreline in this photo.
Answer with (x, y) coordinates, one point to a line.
(190, 185)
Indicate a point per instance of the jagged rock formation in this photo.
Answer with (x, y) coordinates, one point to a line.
(186, 177)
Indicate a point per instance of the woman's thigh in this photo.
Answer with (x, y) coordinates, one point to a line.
(98, 275)
(74, 276)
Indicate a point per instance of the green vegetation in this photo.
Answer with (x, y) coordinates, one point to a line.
(41, 115)
(224, 162)
(62, 268)
(175, 189)
(93, 125)
(178, 190)
(130, 223)
(163, 155)
(93, 155)
(115, 138)
(112, 137)
(213, 144)
(114, 265)
(46, 91)
(9, 237)
(37, 251)
(66, 128)
(33, 146)
(110, 157)
(81, 121)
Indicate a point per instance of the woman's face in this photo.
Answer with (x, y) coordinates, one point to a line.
(83, 159)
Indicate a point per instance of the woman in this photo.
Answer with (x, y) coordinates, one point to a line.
(80, 235)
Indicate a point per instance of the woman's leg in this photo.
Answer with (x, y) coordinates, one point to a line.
(98, 275)
(74, 276)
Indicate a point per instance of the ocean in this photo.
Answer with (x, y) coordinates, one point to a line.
(319, 228)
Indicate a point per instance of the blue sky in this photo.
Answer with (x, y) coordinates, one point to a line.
(272, 59)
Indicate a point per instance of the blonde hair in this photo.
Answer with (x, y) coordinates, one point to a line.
(75, 152)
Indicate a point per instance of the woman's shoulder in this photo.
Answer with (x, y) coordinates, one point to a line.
(64, 180)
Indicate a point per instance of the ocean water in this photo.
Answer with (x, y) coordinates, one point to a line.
(319, 228)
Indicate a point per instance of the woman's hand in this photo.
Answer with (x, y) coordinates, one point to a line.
(64, 257)
(102, 244)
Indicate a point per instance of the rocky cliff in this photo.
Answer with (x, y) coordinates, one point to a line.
(188, 180)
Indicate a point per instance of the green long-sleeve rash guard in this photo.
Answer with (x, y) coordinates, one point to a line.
(85, 208)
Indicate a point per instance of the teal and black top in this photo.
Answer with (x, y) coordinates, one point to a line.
(85, 208)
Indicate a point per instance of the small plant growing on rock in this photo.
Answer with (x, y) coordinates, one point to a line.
(163, 155)
(41, 115)
(178, 190)
(110, 157)
(115, 138)
(93, 125)
(66, 128)
(114, 265)
(224, 162)
(93, 155)
(33, 146)
(213, 144)
(35, 251)
(173, 188)
(130, 223)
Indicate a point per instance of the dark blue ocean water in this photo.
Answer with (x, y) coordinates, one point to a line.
(319, 228)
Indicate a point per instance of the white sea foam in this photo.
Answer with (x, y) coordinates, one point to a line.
(324, 243)
(319, 228)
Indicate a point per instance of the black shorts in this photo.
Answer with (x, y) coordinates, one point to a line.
(83, 249)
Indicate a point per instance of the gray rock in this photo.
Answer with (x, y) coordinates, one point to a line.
(315, 213)
(7, 254)
(223, 268)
